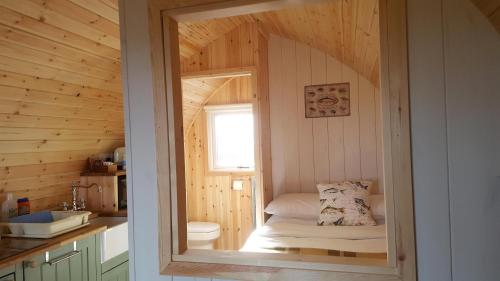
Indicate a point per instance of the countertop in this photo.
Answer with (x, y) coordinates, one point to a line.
(21, 249)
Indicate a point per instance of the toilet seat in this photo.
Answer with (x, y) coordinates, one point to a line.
(197, 230)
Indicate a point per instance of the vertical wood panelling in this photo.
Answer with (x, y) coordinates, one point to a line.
(264, 125)
(233, 49)
(60, 95)
(305, 126)
(321, 145)
(367, 129)
(210, 196)
(335, 127)
(290, 115)
(379, 137)
(329, 149)
(351, 127)
(276, 98)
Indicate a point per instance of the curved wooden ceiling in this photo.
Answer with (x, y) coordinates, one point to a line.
(195, 93)
(347, 30)
(60, 94)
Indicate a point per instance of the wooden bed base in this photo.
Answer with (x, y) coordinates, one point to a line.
(324, 252)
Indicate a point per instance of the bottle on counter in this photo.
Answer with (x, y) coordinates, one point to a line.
(9, 207)
(23, 206)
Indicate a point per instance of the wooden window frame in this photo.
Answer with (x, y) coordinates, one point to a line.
(210, 111)
(176, 259)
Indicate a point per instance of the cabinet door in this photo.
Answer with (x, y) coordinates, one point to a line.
(67, 263)
(11, 273)
(10, 277)
(119, 273)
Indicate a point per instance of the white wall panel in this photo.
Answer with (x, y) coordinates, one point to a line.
(307, 151)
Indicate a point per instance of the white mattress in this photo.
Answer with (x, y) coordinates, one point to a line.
(280, 232)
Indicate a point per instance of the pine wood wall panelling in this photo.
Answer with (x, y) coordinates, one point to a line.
(22, 53)
(346, 30)
(105, 8)
(265, 156)
(15, 133)
(243, 46)
(23, 121)
(60, 94)
(29, 108)
(276, 120)
(47, 72)
(26, 39)
(9, 160)
(290, 116)
(328, 149)
(321, 145)
(41, 169)
(43, 11)
(59, 87)
(195, 93)
(305, 126)
(215, 54)
(351, 128)
(84, 15)
(40, 28)
(210, 197)
(41, 97)
(27, 146)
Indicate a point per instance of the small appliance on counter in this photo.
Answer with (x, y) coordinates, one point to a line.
(119, 158)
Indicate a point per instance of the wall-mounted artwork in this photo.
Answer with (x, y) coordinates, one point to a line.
(329, 100)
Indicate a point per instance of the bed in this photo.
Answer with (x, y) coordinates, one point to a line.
(282, 234)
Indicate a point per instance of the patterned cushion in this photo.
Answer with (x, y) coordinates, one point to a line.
(345, 203)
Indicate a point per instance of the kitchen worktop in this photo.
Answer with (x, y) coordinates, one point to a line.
(15, 250)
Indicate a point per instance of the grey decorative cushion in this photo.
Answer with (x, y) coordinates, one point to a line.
(345, 203)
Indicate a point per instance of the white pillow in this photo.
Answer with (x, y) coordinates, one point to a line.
(295, 205)
(377, 203)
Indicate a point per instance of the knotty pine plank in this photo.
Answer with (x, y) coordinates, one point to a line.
(40, 28)
(34, 82)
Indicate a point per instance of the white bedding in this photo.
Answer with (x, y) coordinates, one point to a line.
(279, 232)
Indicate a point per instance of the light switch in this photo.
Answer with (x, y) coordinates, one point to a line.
(237, 185)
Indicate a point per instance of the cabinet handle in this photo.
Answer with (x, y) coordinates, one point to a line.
(30, 264)
(63, 258)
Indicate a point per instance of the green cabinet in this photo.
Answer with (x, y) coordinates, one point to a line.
(115, 269)
(118, 273)
(77, 261)
(73, 262)
(11, 273)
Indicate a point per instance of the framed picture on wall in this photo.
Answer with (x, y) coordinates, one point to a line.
(327, 100)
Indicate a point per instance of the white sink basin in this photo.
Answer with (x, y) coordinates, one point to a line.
(114, 241)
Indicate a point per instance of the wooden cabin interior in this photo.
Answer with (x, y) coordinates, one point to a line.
(262, 141)
(61, 95)
(285, 50)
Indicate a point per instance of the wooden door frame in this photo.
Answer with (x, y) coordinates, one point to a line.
(250, 71)
(175, 259)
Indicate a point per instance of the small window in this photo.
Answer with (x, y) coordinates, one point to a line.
(230, 132)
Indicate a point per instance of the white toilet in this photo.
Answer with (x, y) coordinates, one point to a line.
(202, 235)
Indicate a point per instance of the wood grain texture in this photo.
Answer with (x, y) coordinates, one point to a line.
(60, 94)
(346, 30)
(308, 151)
(144, 248)
(195, 93)
(491, 10)
(210, 197)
